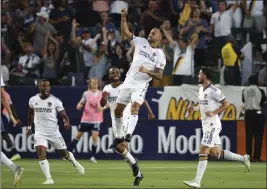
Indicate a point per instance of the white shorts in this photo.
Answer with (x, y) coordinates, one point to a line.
(55, 140)
(211, 137)
(127, 95)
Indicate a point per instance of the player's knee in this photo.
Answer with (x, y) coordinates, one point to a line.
(64, 154)
(41, 153)
(120, 148)
(135, 108)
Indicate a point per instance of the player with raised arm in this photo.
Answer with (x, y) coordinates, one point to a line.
(209, 98)
(43, 110)
(17, 170)
(148, 62)
(92, 115)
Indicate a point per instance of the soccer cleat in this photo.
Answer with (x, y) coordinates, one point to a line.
(15, 157)
(128, 138)
(49, 181)
(116, 142)
(138, 179)
(77, 165)
(193, 183)
(92, 159)
(247, 162)
(17, 175)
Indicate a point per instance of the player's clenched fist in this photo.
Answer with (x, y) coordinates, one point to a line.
(123, 12)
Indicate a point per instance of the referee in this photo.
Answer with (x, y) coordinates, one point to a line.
(253, 99)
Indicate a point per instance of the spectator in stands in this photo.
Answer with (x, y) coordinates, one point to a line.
(231, 57)
(100, 60)
(25, 14)
(47, 6)
(190, 28)
(29, 64)
(188, 8)
(205, 9)
(89, 47)
(100, 6)
(220, 24)
(61, 18)
(183, 62)
(39, 31)
(118, 59)
(176, 10)
(151, 18)
(115, 10)
(6, 27)
(105, 22)
(5, 61)
(50, 58)
(254, 14)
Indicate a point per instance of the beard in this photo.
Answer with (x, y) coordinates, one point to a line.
(201, 81)
(116, 79)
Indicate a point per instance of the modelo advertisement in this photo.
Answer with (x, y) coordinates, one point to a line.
(152, 140)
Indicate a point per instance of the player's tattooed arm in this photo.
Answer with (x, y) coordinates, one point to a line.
(65, 119)
(124, 26)
(149, 110)
(157, 74)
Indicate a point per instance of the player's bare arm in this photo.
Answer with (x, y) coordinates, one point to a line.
(193, 108)
(223, 107)
(30, 120)
(149, 110)
(65, 119)
(104, 99)
(80, 105)
(124, 26)
(157, 74)
(7, 106)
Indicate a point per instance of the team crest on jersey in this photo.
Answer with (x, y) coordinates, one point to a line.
(154, 54)
(49, 104)
(36, 103)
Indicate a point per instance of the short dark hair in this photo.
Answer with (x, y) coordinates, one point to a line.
(112, 67)
(207, 71)
(43, 80)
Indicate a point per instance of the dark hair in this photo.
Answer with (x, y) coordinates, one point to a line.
(43, 80)
(207, 71)
(113, 67)
(253, 80)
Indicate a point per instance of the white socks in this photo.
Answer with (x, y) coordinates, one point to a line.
(72, 158)
(119, 127)
(232, 156)
(128, 156)
(132, 121)
(202, 165)
(8, 162)
(45, 168)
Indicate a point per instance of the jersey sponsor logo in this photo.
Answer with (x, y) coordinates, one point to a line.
(112, 98)
(43, 110)
(148, 56)
(203, 102)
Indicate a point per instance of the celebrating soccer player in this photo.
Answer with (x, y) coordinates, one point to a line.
(208, 98)
(92, 115)
(43, 109)
(148, 62)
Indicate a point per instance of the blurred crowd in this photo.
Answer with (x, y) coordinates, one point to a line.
(70, 41)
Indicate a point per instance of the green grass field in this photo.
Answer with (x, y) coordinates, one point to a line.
(158, 174)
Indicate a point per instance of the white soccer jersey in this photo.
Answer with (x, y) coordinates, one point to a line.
(45, 114)
(2, 82)
(209, 100)
(112, 97)
(146, 56)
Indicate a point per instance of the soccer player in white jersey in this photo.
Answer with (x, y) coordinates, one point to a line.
(109, 97)
(43, 109)
(148, 62)
(17, 170)
(209, 99)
